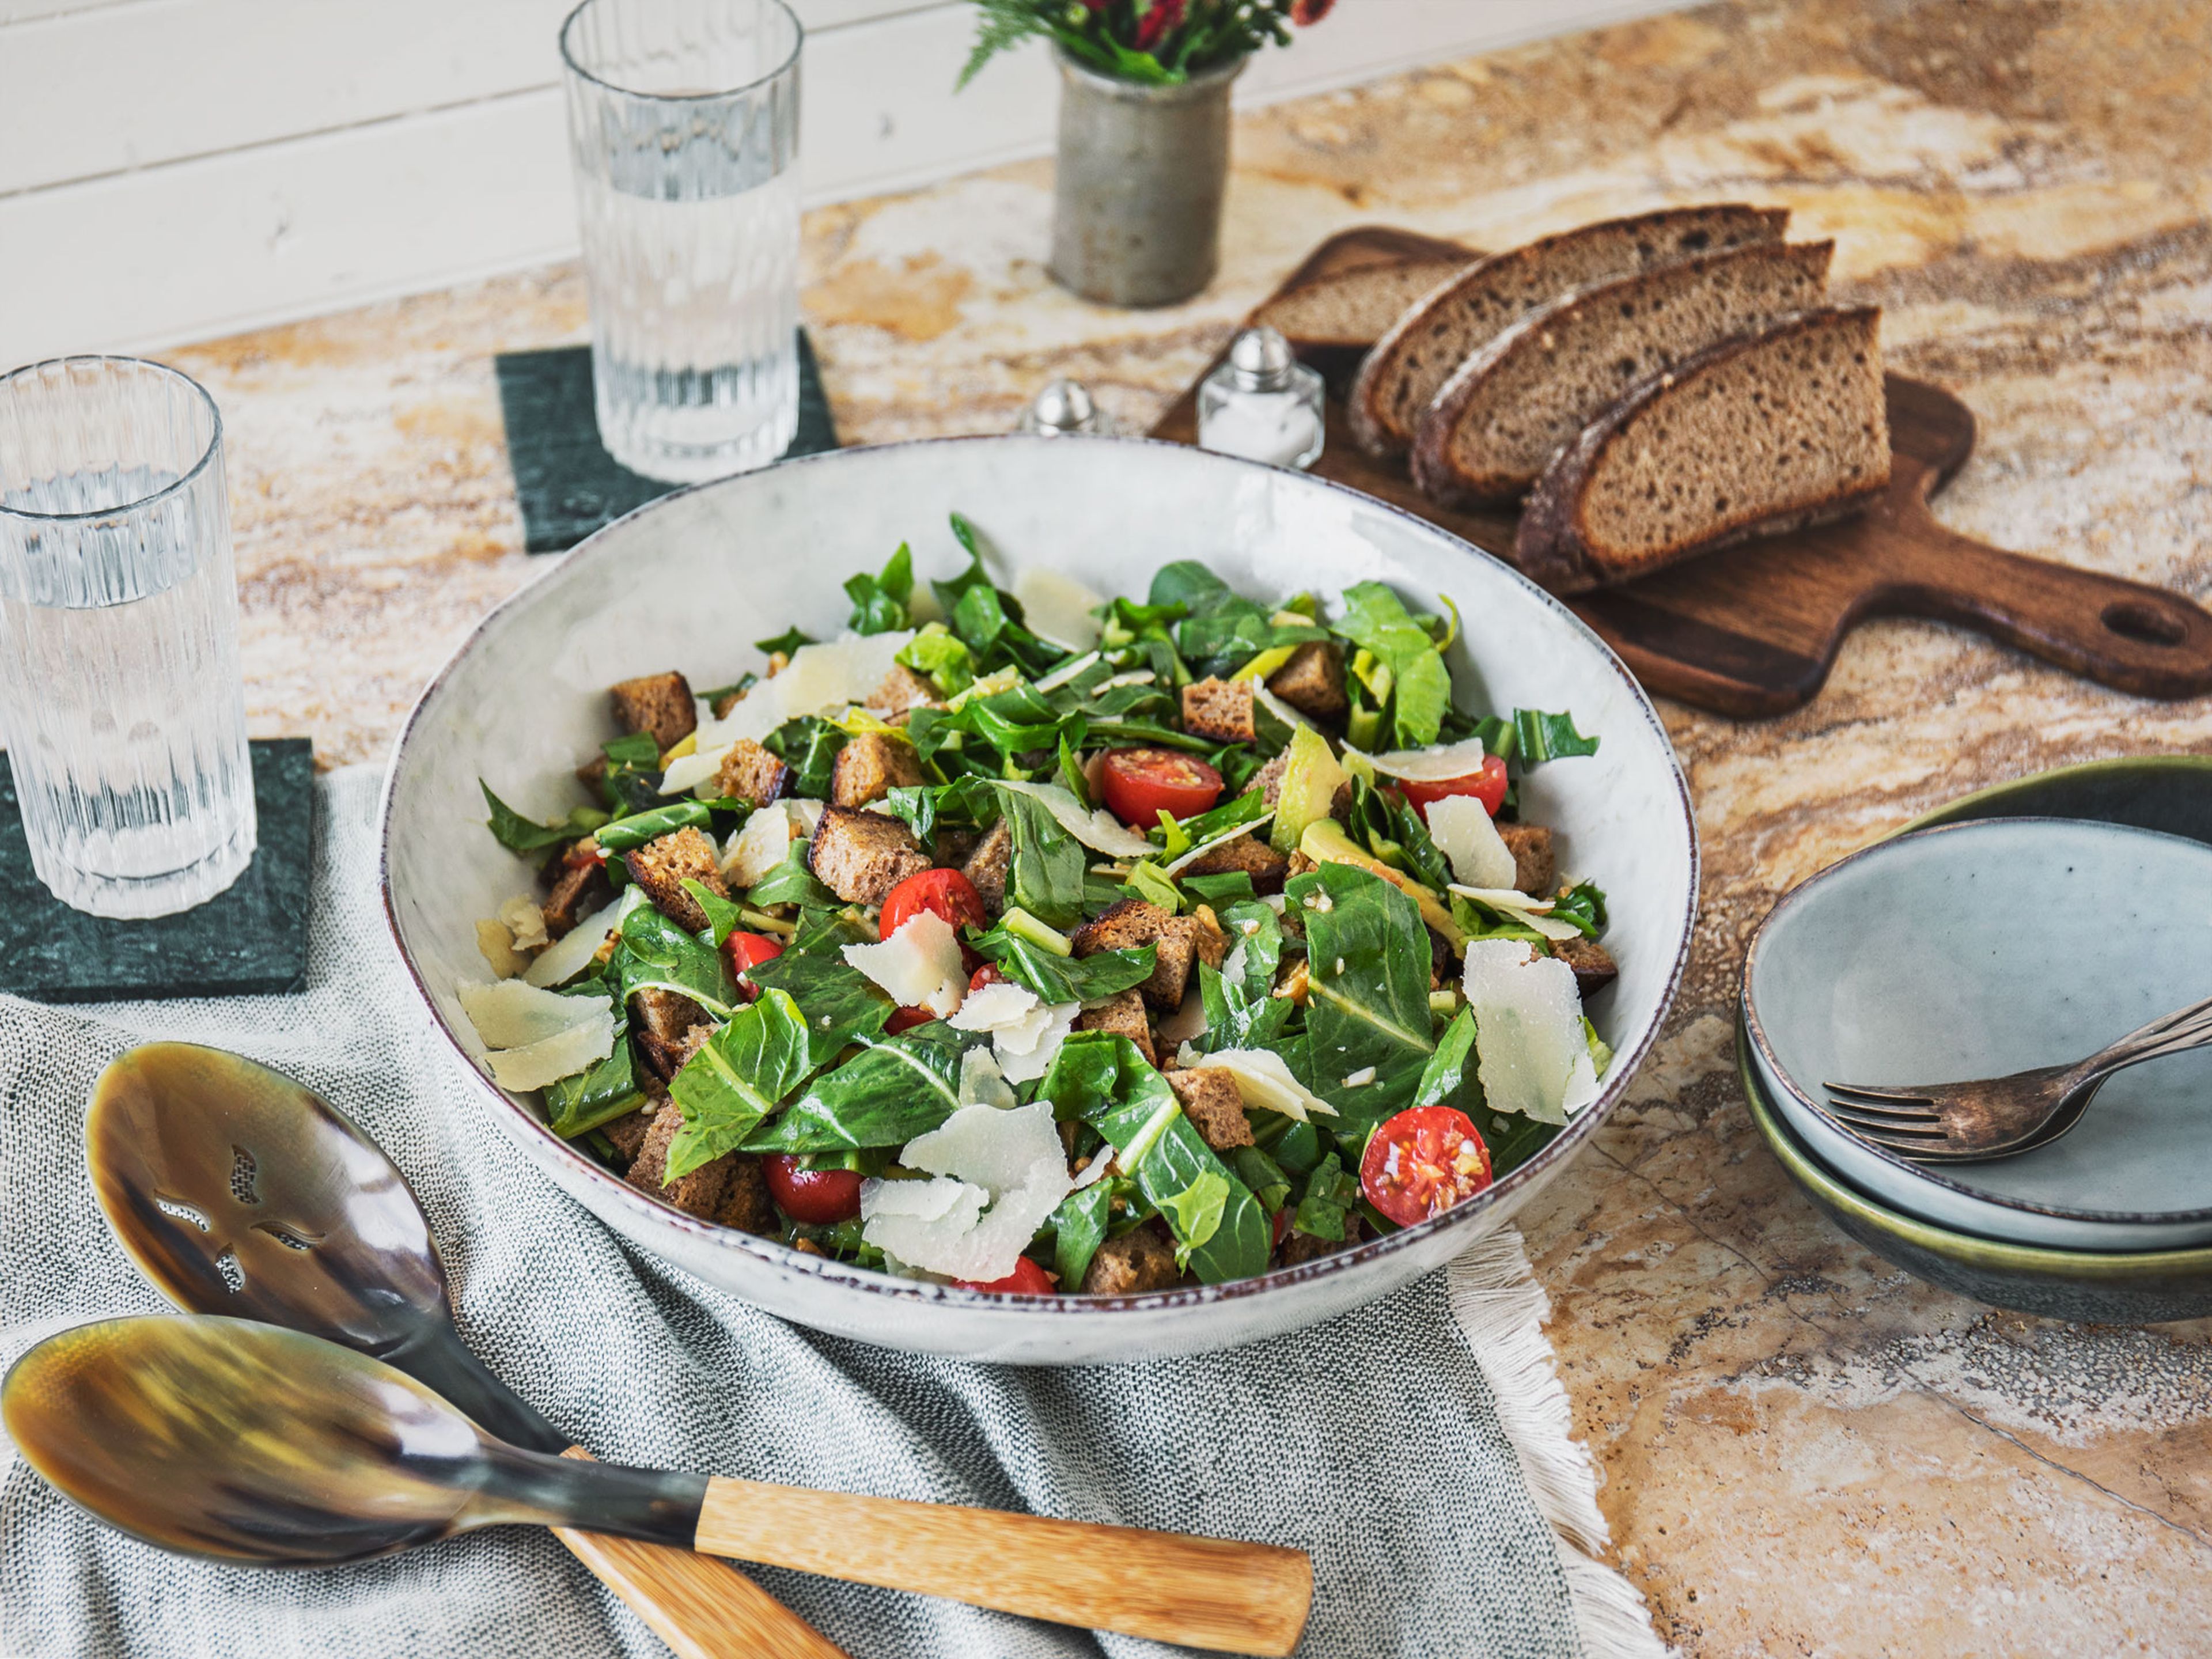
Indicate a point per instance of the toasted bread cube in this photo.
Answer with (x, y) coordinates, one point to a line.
(902, 689)
(579, 889)
(670, 1028)
(698, 1194)
(1300, 1248)
(627, 1133)
(1268, 868)
(1179, 942)
(870, 766)
(986, 867)
(1123, 1015)
(1594, 967)
(1536, 866)
(1210, 1102)
(751, 772)
(661, 867)
(1312, 681)
(1208, 942)
(1219, 711)
(659, 703)
(1139, 1261)
(861, 855)
(745, 1203)
(1268, 780)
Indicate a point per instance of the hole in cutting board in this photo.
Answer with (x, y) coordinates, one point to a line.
(2136, 621)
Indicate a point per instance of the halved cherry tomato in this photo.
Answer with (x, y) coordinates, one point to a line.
(1026, 1279)
(744, 952)
(905, 1019)
(1422, 1161)
(1486, 783)
(947, 893)
(820, 1196)
(989, 973)
(1139, 784)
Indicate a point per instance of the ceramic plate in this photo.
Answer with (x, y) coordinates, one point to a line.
(689, 580)
(1988, 947)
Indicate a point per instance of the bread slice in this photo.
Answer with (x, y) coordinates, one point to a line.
(1765, 431)
(1412, 362)
(1354, 307)
(1506, 410)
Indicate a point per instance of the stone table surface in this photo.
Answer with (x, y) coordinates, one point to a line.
(1802, 1449)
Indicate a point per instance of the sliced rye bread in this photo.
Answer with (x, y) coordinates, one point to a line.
(1763, 433)
(1354, 307)
(1412, 362)
(1498, 421)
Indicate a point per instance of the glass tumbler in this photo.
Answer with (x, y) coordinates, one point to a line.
(683, 130)
(121, 704)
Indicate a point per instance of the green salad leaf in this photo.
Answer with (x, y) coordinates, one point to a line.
(792, 882)
(841, 1005)
(895, 1088)
(1221, 630)
(942, 656)
(1582, 904)
(1420, 687)
(788, 641)
(736, 1080)
(1367, 993)
(577, 1104)
(521, 834)
(1078, 1228)
(1329, 1197)
(621, 835)
(1445, 1074)
(809, 746)
(1045, 877)
(880, 602)
(656, 952)
(1056, 978)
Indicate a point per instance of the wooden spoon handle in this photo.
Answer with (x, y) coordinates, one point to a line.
(1198, 1592)
(702, 1608)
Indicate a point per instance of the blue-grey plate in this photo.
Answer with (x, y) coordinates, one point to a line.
(1985, 947)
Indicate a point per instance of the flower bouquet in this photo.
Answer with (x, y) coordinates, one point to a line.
(1151, 42)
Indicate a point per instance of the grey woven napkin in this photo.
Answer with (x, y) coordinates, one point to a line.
(1426, 1484)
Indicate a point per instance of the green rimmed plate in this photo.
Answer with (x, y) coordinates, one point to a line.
(2167, 793)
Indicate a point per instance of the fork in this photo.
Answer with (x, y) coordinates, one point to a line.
(2000, 1116)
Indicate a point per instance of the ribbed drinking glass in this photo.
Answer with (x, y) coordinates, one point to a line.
(121, 704)
(684, 129)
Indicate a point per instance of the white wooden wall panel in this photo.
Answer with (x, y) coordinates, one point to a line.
(175, 169)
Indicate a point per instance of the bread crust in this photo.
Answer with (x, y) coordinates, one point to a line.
(1552, 545)
(1372, 424)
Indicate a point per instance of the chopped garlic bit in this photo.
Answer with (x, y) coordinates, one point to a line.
(1360, 1078)
(1000, 1173)
(920, 965)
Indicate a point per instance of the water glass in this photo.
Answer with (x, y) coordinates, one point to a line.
(121, 704)
(683, 129)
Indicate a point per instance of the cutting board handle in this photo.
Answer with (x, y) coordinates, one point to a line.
(2126, 635)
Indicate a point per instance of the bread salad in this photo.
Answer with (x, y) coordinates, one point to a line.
(1035, 941)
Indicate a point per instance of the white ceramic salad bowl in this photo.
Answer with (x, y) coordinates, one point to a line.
(689, 580)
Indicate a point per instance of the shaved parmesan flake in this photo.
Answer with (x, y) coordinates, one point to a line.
(570, 954)
(1265, 1081)
(819, 679)
(1028, 1065)
(1134, 677)
(1066, 671)
(513, 1013)
(1464, 833)
(1100, 830)
(1451, 760)
(920, 965)
(1533, 914)
(562, 1055)
(981, 1083)
(1205, 847)
(497, 947)
(760, 846)
(1025, 1032)
(1187, 1021)
(524, 919)
(1058, 608)
(1011, 1161)
(695, 768)
(1275, 706)
(1531, 1054)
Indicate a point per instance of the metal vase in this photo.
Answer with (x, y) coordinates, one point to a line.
(1137, 192)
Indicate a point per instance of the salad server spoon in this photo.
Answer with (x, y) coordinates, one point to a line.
(239, 1191)
(257, 1446)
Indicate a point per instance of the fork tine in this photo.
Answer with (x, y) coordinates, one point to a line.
(1916, 1147)
(1918, 1094)
(1883, 1115)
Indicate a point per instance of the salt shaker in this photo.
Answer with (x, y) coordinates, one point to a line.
(1262, 403)
(1064, 410)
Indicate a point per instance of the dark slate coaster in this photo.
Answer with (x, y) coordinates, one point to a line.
(566, 482)
(249, 940)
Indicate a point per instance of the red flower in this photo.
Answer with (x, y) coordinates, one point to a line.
(1163, 16)
(1097, 5)
(1304, 12)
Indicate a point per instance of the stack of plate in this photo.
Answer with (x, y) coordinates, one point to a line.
(2028, 924)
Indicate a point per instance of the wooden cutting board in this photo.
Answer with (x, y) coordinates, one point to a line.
(1755, 629)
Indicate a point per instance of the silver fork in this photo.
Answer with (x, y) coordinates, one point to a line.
(1999, 1116)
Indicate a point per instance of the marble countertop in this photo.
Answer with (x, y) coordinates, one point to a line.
(1803, 1450)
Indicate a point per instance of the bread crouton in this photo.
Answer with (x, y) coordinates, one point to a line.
(1594, 967)
(1123, 1015)
(659, 703)
(1536, 866)
(751, 772)
(626, 1132)
(1179, 942)
(1301, 1247)
(1267, 867)
(661, 867)
(698, 1194)
(1312, 681)
(861, 855)
(745, 1203)
(902, 689)
(1219, 711)
(986, 867)
(579, 889)
(670, 1028)
(1210, 1102)
(1139, 1261)
(870, 766)
(1268, 780)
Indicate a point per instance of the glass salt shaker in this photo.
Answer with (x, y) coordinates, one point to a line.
(1263, 404)
(1065, 410)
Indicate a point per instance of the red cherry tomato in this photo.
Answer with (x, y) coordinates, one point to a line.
(820, 1196)
(947, 893)
(905, 1019)
(1422, 1161)
(1026, 1279)
(1139, 784)
(746, 951)
(1486, 783)
(989, 973)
